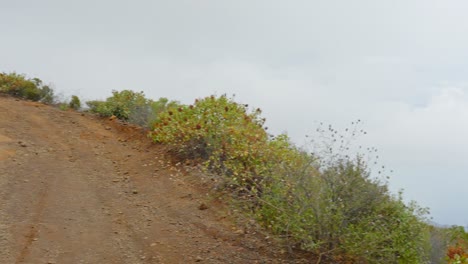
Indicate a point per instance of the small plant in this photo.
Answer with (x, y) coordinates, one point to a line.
(64, 106)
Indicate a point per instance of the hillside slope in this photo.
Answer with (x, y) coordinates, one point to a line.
(78, 189)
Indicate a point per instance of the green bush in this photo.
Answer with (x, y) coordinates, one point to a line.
(119, 104)
(162, 105)
(131, 106)
(63, 106)
(342, 213)
(329, 206)
(125, 105)
(449, 245)
(75, 103)
(99, 107)
(31, 89)
(222, 133)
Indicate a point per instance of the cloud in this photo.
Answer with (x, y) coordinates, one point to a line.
(427, 146)
(437, 128)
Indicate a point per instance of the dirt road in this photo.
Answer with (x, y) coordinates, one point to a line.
(79, 189)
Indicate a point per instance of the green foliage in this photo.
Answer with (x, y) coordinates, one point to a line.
(218, 131)
(448, 244)
(126, 105)
(120, 104)
(131, 106)
(64, 106)
(162, 105)
(457, 250)
(75, 103)
(47, 95)
(31, 89)
(327, 204)
(456, 233)
(342, 212)
(393, 233)
(99, 107)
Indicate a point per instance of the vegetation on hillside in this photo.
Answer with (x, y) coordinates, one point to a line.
(335, 210)
(322, 201)
(449, 245)
(75, 103)
(22, 87)
(130, 106)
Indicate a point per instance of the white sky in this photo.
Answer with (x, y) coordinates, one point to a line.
(400, 66)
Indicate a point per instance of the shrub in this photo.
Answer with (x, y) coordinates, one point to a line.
(343, 214)
(457, 254)
(63, 106)
(75, 103)
(119, 104)
(457, 249)
(327, 205)
(125, 105)
(132, 107)
(158, 107)
(99, 107)
(31, 89)
(218, 131)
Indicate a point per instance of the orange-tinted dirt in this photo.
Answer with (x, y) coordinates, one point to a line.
(75, 188)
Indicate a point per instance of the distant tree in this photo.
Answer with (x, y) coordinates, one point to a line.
(47, 95)
(75, 103)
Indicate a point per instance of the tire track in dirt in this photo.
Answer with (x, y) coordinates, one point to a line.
(33, 231)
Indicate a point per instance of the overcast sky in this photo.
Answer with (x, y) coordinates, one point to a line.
(400, 66)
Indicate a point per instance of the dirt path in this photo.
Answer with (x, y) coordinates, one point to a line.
(78, 189)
